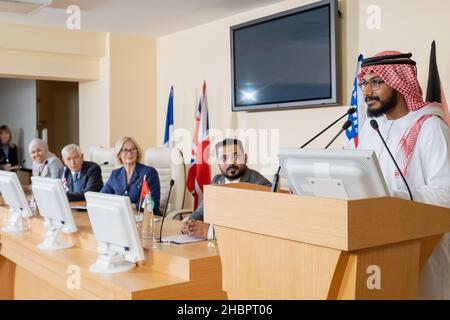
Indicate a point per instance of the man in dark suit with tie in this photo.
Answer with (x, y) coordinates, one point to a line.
(79, 176)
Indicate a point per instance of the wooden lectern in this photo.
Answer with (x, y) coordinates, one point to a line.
(283, 246)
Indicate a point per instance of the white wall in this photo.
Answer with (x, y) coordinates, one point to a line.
(94, 104)
(132, 87)
(123, 101)
(410, 26)
(186, 58)
(18, 111)
(43, 53)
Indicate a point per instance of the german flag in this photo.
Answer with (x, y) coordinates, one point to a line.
(435, 91)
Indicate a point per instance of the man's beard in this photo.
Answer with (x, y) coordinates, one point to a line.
(237, 173)
(385, 106)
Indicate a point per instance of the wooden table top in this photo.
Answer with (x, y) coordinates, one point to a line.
(171, 271)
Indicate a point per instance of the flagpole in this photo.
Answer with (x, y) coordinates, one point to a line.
(140, 194)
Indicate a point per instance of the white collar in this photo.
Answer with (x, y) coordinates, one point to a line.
(232, 181)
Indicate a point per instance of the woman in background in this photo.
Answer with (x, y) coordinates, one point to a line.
(8, 151)
(128, 179)
(45, 163)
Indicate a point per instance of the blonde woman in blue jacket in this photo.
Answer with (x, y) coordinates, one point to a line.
(128, 179)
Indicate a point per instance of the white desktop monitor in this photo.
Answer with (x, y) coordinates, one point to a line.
(53, 205)
(13, 195)
(114, 227)
(335, 174)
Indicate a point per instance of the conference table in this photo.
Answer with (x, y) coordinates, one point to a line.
(172, 271)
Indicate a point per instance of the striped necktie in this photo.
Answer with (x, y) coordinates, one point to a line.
(76, 182)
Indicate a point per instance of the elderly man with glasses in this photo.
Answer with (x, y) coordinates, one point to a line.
(79, 176)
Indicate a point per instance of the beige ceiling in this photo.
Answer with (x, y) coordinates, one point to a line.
(140, 17)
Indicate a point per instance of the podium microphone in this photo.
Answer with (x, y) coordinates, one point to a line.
(374, 125)
(346, 125)
(172, 182)
(276, 177)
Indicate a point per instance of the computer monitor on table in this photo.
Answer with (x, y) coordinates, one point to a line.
(336, 174)
(53, 205)
(14, 196)
(114, 227)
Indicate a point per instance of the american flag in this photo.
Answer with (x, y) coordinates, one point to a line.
(200, 172)
(359, 117)
(43, 169)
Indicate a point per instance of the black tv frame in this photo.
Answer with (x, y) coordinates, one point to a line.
(333, 101)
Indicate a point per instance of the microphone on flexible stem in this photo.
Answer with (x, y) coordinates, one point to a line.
(172, 182)
(346, 125)
(126, 191)
(18, 167)
(45, 164)
(276, 177)
(64, 172)
(374, 125)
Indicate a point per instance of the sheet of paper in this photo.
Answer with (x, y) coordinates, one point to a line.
(180, 239)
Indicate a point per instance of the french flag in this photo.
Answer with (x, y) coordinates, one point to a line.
(168, 135)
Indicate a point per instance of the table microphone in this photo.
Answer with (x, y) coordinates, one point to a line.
(276, 177)
(18, 167)
(346, 125)
(374, 125)
(172, 182)
(40, 172)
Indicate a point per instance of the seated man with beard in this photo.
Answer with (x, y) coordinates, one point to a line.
(232, 162)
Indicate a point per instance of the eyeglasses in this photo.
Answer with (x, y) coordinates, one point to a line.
(235, 157)
(373, 84)
(125, 151)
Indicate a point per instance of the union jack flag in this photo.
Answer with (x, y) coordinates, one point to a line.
(200, 172)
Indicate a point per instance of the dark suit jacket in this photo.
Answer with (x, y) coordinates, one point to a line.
(12, 157)
(90, 180)
(117, 184)
(249, 176)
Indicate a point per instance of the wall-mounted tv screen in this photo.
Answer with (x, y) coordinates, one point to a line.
(287, 60)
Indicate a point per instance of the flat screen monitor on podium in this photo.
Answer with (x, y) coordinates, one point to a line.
(13, 195)
(114, 227)
(53, 205)
(335, 174)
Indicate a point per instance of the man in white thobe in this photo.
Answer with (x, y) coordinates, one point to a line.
(419, 139)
